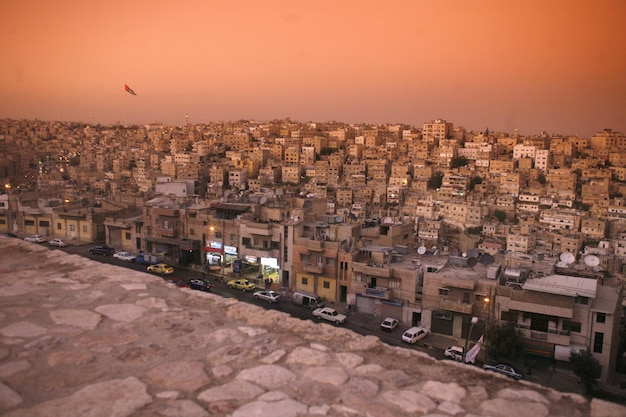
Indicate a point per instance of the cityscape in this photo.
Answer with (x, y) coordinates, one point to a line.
(433, 225)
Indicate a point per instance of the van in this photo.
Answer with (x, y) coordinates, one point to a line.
(414, 334)
(308, 300)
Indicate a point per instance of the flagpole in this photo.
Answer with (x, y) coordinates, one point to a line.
(125, 126)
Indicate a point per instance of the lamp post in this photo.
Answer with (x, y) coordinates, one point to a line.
(469, 334)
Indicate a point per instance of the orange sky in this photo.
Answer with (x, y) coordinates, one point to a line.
(536, 65)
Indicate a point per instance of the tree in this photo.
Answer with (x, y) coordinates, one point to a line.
(459, 161)
(586, 367)
(500, 215)
(435, 181)
(504, 341)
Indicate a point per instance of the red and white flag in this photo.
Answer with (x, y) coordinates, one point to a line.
(130, 90)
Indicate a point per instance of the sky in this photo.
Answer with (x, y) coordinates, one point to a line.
(555, 66)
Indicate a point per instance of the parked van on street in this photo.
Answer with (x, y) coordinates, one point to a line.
(308, 300)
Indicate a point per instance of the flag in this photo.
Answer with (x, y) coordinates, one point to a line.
(471, 354)
(130, 90)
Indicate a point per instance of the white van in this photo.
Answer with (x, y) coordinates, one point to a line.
(414, 334)
(308, 300)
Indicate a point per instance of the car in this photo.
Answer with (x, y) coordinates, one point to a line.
(455, 353)
(102, 250)
(330, 314)
(9, 234)
(124, 256)
(35, 239)
(58, 243)
(241, 284)
(389, 324)
(177, 281)
(415, 334)
(163, 269)
(200, 284)
(504, 369)
(269, 296)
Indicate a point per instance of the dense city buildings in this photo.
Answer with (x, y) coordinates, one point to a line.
(432, 226)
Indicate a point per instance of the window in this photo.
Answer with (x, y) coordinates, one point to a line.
(192, 232)
(59, 226)
(85, 229)
(326, 284)
(305, 281)
(44, 223)
(246, 241)
(571, 326)
(598, 340)
(581, 300)
(466, 298)
(127, 235)
(443, 292)
(600, 318)
(330, 261)
(29, 222)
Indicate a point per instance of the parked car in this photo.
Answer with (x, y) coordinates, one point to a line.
(35, 239)
(177, 281)
(330, 314)
(148, 259)
(504, 369)
(200, 284)
(415, 334)
(269, 296)
(454, 352)
(124, 256)
(241, 284)
(389, 324)
(163, 269)
(58, 243)
(102, 250)
(9, 234)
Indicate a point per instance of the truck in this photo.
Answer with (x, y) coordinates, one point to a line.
(307, 299)
(148, 259)
(329, 314)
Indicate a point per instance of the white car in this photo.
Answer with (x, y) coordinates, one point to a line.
(415, 334)
(124, 256)
(389, 324)
(454, 352)
(35, 239)
(269, 296)
(58, 243)
(329, 314)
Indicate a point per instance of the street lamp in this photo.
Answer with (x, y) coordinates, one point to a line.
(474, 321)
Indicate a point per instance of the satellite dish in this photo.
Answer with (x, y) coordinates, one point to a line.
(339, 219)
(262, 200)
(296, 218)
(421, 250)
(307, 204)
(464, 254)
(471, 262)
(387, 220)
(567, 257)
(592, 260)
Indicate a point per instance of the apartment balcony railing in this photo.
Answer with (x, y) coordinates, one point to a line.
(166, 212)
(255, 228)
(166, 232)
(378, 292)
(558, 337)
(431, 302)
(374, 271)
(314, 268)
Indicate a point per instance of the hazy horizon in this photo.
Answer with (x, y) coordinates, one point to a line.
(529, 65)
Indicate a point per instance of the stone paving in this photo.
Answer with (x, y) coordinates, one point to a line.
(81, 338)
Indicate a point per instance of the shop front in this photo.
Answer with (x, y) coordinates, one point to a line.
(270, 272)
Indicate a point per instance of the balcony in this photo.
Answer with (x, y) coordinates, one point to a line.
(372, 270)
(432, 302)
(557, 337)
(256, 228)
(166, 232)
(314, 268)
(165, 212)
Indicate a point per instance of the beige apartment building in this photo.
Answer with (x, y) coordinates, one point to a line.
(558, 314)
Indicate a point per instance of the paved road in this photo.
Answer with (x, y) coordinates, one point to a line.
(541, 372)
